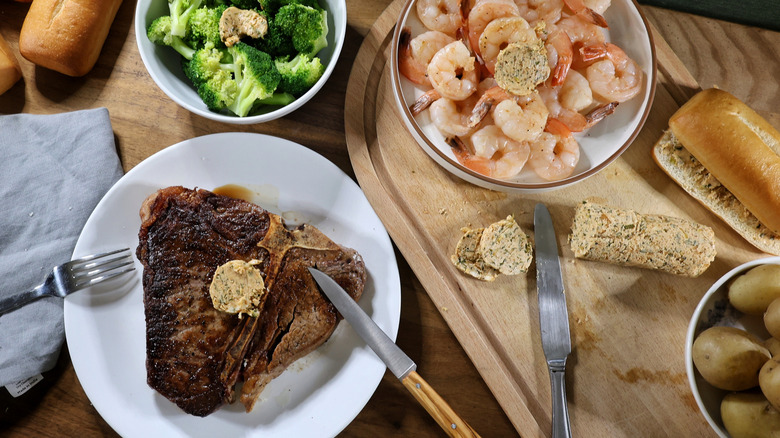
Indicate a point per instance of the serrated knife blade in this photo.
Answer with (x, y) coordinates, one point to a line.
(553, 316)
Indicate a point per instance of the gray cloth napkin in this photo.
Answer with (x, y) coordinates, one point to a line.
(53, 171)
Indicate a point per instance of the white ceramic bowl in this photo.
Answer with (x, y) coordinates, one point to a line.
(599, 146)
(164, 63)
(714, 309)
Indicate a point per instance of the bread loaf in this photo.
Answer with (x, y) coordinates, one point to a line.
(726, 156)
(66, 35)
(627, 238)
(10, 71)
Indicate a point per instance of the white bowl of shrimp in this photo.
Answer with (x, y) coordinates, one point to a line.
(523, 95)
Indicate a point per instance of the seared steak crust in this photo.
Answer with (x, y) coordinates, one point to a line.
(195, 353)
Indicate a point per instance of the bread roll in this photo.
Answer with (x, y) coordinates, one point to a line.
(10, 72)
(66, 35)
(735, 145)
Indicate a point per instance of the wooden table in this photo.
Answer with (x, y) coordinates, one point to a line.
(744, 60)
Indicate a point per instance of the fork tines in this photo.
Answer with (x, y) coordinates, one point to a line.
(95, 268)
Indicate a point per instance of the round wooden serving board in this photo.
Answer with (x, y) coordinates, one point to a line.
(626, 375)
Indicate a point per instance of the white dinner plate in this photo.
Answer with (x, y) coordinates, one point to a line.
(318, 395)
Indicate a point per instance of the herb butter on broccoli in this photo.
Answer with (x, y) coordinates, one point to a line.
(243, 54)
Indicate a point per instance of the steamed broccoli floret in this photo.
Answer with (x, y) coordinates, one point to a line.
(307, 26)
(299, 74)
(181, 10)
(275, 42)
(219, 91)
(246, 4)
(272, 6)
(204, 26)
(255, 74)
(159, 32)
(212, 79)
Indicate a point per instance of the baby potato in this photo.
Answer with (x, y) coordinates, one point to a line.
(769, 380)
(773, 345)
(749, 415)
(729, 358)
(772, 318)
(752, 292)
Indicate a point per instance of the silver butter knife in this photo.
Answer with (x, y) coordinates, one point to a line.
(553, 317)
(396, 360)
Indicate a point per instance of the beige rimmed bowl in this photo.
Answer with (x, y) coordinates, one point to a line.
(714, 309)
(599, 146)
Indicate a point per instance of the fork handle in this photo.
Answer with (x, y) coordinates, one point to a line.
(10, 303)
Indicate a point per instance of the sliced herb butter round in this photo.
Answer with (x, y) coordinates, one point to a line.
(237, 288)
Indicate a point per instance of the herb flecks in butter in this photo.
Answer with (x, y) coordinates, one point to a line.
(237, 287)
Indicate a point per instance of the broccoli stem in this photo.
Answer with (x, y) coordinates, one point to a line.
(280, 99)
(179, 18)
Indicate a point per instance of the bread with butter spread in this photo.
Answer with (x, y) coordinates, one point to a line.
(725, 155)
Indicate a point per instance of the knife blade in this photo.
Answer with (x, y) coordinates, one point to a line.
(396, 360)
(553, 316)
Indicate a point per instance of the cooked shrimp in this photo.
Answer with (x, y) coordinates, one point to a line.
(424, 101)
(485, 11)
(521, 119)
(581, 31)
(534, 11)
(441, 15)
(450, 117)
(587, 14)
(501, 32)
(415, 54)
(615, 79)
(560, 52)
(599, 6)
(565, 103)
(493, 153)
(555, 154)
(452, 71)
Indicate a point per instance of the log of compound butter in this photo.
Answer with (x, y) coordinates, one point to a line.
(625, 237)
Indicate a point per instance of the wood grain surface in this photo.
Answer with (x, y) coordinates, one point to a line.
(740, 59)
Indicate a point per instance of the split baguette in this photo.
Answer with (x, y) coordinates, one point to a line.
(66, 35)
(724, 155)
(10, 71)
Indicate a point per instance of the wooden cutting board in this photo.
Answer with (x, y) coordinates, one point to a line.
(626, 376)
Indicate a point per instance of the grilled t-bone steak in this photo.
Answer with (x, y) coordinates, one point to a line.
(196, 354)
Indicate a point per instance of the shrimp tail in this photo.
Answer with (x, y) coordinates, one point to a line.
(563, 46)
(424, 101)
(586, 13)
(484, 104)
(557, 127)
(593, 52)
(599, 113)
(406, 65)
(594, 17)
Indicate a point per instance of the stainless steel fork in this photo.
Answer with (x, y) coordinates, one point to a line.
(75, 275)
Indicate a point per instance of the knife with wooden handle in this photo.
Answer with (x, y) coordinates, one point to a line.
(396, 360)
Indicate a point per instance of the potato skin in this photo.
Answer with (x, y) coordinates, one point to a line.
(752, 292)
(769, 381)
(729, 358)
(773, 345)
(772, 318)
(749, 415)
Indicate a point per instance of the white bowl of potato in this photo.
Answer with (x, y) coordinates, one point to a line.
(732, 360)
